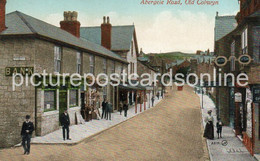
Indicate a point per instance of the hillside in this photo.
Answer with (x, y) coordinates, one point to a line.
(172, 55)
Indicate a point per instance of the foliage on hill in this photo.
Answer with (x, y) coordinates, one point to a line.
(172, 55)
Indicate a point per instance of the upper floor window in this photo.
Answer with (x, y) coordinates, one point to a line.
(113, 67)
(122, 68)
(57, 59)
(92, 64)
(105, 65)
(79, 60)
(256, 44)
(232, 63)
(244, 41)
(133, 67)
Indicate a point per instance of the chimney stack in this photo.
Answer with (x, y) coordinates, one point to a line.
(2, 15)
(106, 33)
(70, 23)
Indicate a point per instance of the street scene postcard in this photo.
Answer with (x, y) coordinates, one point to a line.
(129, 80)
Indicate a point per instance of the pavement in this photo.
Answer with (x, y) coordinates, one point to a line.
(170, 131)
(80, 132)
(227, 148)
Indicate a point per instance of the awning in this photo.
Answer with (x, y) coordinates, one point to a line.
(129, 87)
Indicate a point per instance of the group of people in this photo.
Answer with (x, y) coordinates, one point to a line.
(123, 106)
(107, 109)
(209, 128)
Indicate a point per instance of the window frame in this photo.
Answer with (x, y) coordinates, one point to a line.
(105, 65)
(55, 100)
(79, 62)
(77, 97)
(92, 64)
(57, 58)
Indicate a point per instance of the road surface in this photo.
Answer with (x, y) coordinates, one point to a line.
(170, 131)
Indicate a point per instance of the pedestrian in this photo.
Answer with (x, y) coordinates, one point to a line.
(106, 110)
(26, 134)
(121, 107)
(158, 95)
(209, 129)
(109, 110)
(125, 108)
(103, 108)
(65, 123)
(152, 100)
(219, 128)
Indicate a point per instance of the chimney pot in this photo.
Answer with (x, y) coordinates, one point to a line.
(104, 19)
(70, 23)
(106, 31)
(108, 21)
(74, 16)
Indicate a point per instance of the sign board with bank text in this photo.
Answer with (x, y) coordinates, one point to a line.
(9, 71)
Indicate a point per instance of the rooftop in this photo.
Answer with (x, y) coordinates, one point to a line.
(21, 24)
(121, 36)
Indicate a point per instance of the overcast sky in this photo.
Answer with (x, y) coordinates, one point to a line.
(160, 28)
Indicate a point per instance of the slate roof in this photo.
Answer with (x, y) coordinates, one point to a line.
(144, 59)
(20, 24)
(224, 25)
(121, 36)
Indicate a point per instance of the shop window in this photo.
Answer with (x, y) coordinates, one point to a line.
(92, 64)
(79, 60)
(49, 100)
(57, 59)
(73, 97)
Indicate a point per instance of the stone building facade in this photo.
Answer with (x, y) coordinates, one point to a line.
(28, 43)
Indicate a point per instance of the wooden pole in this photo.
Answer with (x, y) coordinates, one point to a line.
(140, 102)
(144, 100)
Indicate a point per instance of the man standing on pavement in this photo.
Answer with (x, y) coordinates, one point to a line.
(152, 100)
(65, 123)
(109, 110)
(125, 108)
(26, 134)
(103, 108)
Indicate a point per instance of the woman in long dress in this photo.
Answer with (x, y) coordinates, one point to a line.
(209, 129)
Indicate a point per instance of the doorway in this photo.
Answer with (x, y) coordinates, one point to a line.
(62, 101)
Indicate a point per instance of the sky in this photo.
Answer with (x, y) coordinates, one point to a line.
(159, 28)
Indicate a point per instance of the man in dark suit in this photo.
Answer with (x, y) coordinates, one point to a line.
(26, 134)
(104, 104)
(65, 123)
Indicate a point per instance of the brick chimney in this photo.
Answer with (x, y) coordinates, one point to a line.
(70, 23)
(2, 15)
(106, 29)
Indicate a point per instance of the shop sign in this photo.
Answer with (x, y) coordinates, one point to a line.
(256, 94)
(221, 61)
(9, 71)
(238, 97)
(244, 59)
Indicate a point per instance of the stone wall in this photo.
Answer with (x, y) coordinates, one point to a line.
(14, 105)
